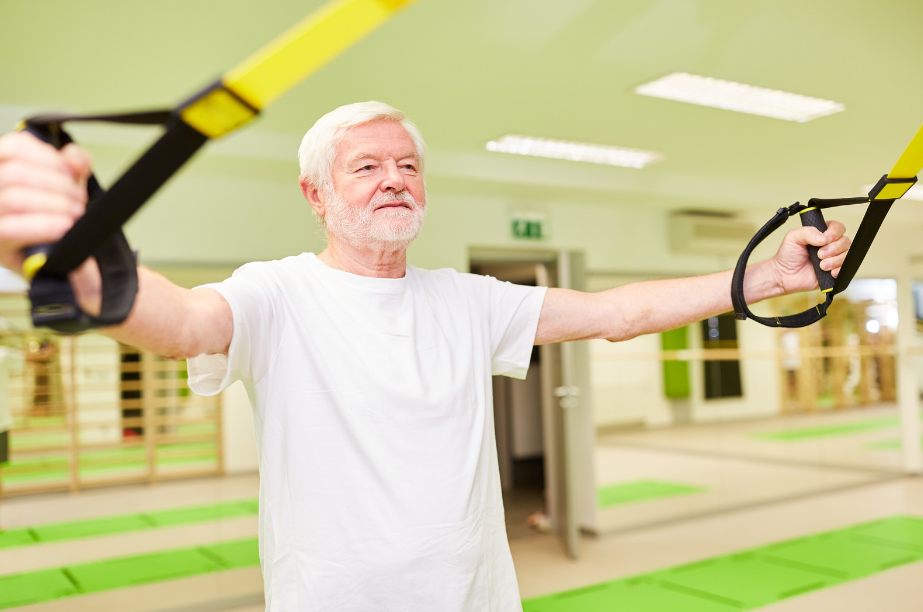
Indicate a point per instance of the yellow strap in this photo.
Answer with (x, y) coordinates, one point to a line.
(217, 113)
(911, 161)
(306, 48)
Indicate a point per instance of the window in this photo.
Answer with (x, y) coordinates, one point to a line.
(722, 378)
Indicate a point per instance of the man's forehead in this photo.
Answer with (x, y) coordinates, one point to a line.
(379, 153)
(375, 140)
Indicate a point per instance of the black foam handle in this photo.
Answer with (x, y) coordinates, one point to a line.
(815, 218)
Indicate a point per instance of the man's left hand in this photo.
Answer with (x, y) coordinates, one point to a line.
(791, 265)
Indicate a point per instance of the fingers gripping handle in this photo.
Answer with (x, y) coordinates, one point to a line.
(34, 257)
(815, 218)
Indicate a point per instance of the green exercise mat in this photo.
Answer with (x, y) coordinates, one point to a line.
(826, 431)
(112, 525)
(640, 491)
(743, 581)
(35, 587)
(15, 537)
(751, 579)
(46, 585)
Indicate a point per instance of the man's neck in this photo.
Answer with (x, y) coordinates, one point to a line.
(367, 261)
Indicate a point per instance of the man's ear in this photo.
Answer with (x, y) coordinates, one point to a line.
(313, 195)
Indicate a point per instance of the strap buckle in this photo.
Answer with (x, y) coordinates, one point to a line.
(216, 111)
(891, 188)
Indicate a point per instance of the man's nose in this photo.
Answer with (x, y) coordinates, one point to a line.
(393, 179)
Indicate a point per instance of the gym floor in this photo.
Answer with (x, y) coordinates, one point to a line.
(745, 463)
(189, 546)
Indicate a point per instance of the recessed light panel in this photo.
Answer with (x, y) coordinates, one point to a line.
(574, 151)
(728, 95)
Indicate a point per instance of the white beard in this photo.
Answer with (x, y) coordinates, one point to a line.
(389, 228)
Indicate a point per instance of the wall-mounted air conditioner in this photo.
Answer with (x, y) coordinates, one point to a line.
(706, 233)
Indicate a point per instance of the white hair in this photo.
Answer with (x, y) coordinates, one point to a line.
(319, 146)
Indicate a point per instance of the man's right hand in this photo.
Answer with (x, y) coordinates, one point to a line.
(42, 193)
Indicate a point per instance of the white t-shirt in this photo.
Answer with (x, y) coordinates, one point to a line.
(379, 484)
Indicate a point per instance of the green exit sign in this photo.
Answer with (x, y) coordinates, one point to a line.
(530, 228)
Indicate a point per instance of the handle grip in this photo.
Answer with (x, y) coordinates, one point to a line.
(35, 256)
(815, 218)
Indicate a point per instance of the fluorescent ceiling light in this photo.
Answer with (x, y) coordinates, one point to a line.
(914, 193)
(728, 95)
(574, 151)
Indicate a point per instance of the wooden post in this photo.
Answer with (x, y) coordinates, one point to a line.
(866, 384)
(219, 430)
(908, 393)
(73, 423)
(808, 380)
(886, 377)
(148, 403)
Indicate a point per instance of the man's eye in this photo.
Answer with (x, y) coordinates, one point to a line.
(367, 167)
(410, 167)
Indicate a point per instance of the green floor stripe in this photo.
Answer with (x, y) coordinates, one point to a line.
(131, 571)
(894, 444)
(235, 554)
(106, 463)
(15, 537)
(89, 528)
(36, 422)
(742, 581)
(635, 595)
(745, 581)
(905, 532)
(35, 587)
(826, 431)
(839, 556)
(755, 578)
(213, 512)
(112, 525)
(639, 491)
(46, 585)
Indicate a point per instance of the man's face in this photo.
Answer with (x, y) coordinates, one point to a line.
(379, 199)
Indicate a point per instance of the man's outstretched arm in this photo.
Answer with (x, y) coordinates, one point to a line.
(42, 193)
(655, 306)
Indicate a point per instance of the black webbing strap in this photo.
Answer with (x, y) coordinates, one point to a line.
(865, 235)
(741, 311)
(222, 107)
(98, 232)
(871, 222)
(126, 196)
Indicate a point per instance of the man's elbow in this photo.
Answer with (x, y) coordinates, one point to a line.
(178, 353)
(620, 335)
(192, 343)
(627, 325)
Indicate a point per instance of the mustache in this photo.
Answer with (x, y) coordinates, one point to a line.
(383, 197)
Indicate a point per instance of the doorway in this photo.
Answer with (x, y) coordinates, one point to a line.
(518, 427)
(536, 419)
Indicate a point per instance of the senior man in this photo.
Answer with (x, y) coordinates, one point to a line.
(370, 378)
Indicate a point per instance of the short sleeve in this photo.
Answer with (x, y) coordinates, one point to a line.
(514, 312)
(258, 322)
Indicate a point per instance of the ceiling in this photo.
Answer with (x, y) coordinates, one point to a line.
(470, 71)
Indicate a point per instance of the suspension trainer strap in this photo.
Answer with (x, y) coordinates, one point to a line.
(889, 188)
(217, 110)
(865, 235)
(741, 311)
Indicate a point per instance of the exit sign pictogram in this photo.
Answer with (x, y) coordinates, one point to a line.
(529, 228)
